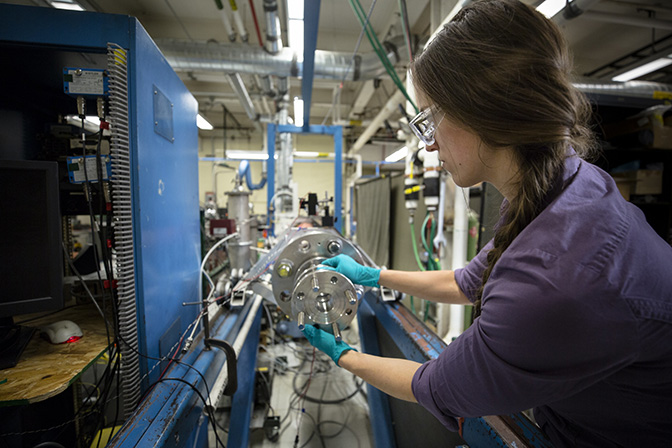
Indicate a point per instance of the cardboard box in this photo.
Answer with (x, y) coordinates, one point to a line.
(652, 127)
(639, 182)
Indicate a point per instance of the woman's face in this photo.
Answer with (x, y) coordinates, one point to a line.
(460, 153)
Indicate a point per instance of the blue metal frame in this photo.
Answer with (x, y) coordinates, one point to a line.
(418, 343)
(311, 20)
(337, 133)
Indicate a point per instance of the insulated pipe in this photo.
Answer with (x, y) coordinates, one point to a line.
(273, 31)
(184, 56)
(459, 259)
(239, 22)
(224, 15)
(237, 83)
(390, 107)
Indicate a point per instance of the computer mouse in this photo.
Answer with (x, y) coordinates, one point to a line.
(61, 332)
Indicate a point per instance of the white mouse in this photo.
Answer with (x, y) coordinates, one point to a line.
(62, 331)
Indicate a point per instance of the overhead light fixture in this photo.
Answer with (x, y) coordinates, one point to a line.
(202, 123)
(397, 155)
(298, 112)
(246, 155)
(643, 69)
(71, 6)
(551, 7)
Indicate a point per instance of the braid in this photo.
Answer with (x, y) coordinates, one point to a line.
(540, 172)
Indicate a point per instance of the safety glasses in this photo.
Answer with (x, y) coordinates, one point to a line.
(424, 125)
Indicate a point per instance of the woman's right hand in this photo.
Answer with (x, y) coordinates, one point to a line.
(358, 274)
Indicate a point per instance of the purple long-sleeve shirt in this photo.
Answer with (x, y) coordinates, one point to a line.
(576, 323)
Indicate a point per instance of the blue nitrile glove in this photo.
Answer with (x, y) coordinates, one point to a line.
(358, 274)
(325, 342)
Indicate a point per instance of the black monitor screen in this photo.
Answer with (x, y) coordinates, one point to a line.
(31, 278)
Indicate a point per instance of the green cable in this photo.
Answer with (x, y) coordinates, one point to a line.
(371, 35)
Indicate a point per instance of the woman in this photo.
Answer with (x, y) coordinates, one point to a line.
(573, 296)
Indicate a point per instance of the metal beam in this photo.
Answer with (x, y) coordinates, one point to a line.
(311, 20)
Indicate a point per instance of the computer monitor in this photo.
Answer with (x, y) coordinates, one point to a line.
(31, 279)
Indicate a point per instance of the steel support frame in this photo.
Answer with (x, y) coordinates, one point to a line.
(337, 133)
(418, 343)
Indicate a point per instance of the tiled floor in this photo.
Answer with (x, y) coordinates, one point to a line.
(343, 422)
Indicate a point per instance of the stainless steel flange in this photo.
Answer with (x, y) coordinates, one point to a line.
(316, 296)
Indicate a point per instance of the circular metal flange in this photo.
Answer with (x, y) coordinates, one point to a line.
(325, 298)
(300, 257)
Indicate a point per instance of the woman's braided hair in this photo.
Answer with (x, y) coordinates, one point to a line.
(502, 70)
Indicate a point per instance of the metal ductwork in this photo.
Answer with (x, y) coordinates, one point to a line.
(273, 31)
(631, 89)
(185, 56)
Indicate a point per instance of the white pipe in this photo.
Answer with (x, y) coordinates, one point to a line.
(223, 378)
(224, 15)
(390, 107)
(239, 21)
(459, 259)
(350, 184)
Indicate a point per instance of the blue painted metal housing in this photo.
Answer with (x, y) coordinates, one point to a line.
(166, 229)
(418, 343)
(337, 133)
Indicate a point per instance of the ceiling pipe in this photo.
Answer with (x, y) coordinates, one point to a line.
(611, 17)
(224, 15)
(273, 31)
(244, 97)
(238, 21)
(391, 107)
(634, 89)
(208, 57)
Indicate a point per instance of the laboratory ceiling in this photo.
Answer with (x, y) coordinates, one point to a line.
(607, 38)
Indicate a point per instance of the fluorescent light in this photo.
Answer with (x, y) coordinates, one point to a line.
(551, 7)
(397, 155)
(643, 69)
(295, 36)
(67, 5)
(246, 155)
(202, 123)
(295, 9)
(313, 154)
(298, 112)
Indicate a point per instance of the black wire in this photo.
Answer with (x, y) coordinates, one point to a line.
(337, 401)
(205, 403)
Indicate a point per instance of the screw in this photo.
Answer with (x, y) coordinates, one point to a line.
(304, 246)
(284, 269)
(334, 247)
(315, 283)
(301, 319)
(337, 331)
(78, 72)
(351, 297)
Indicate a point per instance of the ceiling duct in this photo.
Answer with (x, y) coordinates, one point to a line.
(185, 56)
